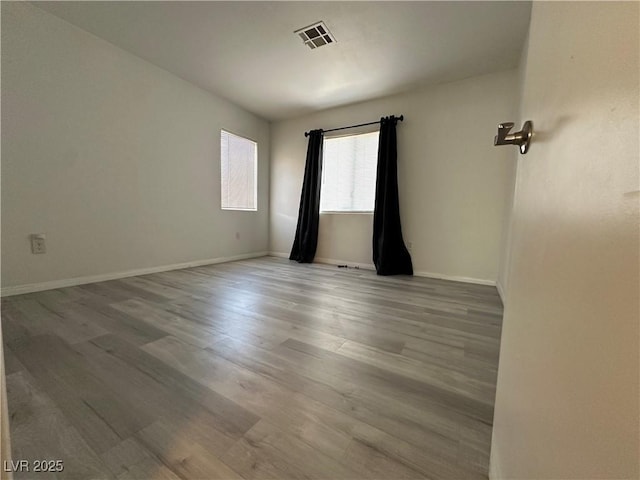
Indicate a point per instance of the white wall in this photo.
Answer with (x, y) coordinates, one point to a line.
(454, 184)
(502, 283)
(114, 159)
(567, 394)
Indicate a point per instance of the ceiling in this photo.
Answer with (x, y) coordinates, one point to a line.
(247, 52)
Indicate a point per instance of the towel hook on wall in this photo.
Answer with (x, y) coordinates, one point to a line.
(521, 138)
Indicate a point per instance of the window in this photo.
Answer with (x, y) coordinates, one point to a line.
(349, 173)
(239, 172)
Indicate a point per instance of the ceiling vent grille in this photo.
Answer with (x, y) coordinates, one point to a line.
(316, 35)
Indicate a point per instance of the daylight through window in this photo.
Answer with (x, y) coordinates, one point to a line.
(239, 172)
(349, 173)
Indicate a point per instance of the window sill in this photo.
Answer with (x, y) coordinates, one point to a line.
(364, 212)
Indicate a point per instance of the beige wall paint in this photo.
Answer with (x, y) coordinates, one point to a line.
(567, 395)
(453, 182)
(114, 159)
(502, 282)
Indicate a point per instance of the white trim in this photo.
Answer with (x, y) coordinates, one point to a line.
(330, 261)
(278, 254)
(456, 278)
(494, 468)
(371, 266)
(70, 282)
(346, 212)
(501, 292)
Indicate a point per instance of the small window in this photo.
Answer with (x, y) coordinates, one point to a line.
(349, 173)
(239, 172)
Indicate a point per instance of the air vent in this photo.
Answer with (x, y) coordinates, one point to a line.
(316, 35)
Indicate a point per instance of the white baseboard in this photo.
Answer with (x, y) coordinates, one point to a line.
(501, 292)
(330, 261)
(70, 282)
(456, 278)
(371, 266)
(279, 254)
(494, 465)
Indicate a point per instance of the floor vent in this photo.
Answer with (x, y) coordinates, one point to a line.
(316, 35)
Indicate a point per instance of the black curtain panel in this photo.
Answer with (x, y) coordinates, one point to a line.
(306, 239)
(390, 256)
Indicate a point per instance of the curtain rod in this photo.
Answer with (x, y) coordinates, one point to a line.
(401, 118)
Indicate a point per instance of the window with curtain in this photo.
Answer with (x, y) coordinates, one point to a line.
(349, 173)
(239, 172)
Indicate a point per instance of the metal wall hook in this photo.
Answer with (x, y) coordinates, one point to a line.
(521, 138)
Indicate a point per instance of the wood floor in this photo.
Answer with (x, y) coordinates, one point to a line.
(255, 369)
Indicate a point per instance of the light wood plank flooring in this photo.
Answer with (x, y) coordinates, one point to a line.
(255, 369)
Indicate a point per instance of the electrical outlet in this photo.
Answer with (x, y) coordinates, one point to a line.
(38, 244)
(409, 246)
